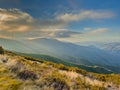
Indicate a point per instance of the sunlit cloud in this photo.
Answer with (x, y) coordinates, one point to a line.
(98, 31)
(87, 28)
(68, 17)
(89, 35)
(14, 20)
(5, 36)
(24, 25)
(53, 34)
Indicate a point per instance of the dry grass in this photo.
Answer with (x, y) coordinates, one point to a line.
(16, 72)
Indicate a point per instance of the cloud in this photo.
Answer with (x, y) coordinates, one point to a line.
(68, 17)
(98, 31)
(14, 20)
(5, 36)
(53, 34)
(62, 33)
(87, 28)
(24, 25)
(88, 35)
(94, 33)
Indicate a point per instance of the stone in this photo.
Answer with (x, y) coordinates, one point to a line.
(1, 50)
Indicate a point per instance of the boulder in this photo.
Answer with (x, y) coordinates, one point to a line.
(1, 50)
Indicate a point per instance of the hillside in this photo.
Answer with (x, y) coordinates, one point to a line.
(77, 54)
(95, 69)
(26, 73)
(87, 55)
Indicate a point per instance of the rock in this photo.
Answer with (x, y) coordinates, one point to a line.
(1, 50)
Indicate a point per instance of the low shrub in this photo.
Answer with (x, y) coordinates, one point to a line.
(56, 81)
(27, 75)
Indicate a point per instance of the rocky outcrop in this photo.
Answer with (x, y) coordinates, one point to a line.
(1, 50)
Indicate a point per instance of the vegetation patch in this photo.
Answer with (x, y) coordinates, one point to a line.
(56, 80)
(7, 83)
(27, 75)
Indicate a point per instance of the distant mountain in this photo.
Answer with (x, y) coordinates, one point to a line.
(95, 69)
(113, 48)
(15, 45)
(87, 55)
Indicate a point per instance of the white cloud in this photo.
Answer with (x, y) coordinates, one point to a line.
(13, 20)
(98, 31)
(53, 34)
(88, 35)
(68, 17)
(5, 36)
(16, 21)
(87, 28)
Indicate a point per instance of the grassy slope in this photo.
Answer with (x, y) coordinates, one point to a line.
(24, 73)
(95, 69)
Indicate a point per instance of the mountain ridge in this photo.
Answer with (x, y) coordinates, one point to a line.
(95, 69)
(64, 50)
(23, 72)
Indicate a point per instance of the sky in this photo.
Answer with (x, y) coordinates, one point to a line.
(65, 20)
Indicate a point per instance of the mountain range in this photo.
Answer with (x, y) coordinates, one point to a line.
(113, 48)
(69, 52)
(26, 73)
